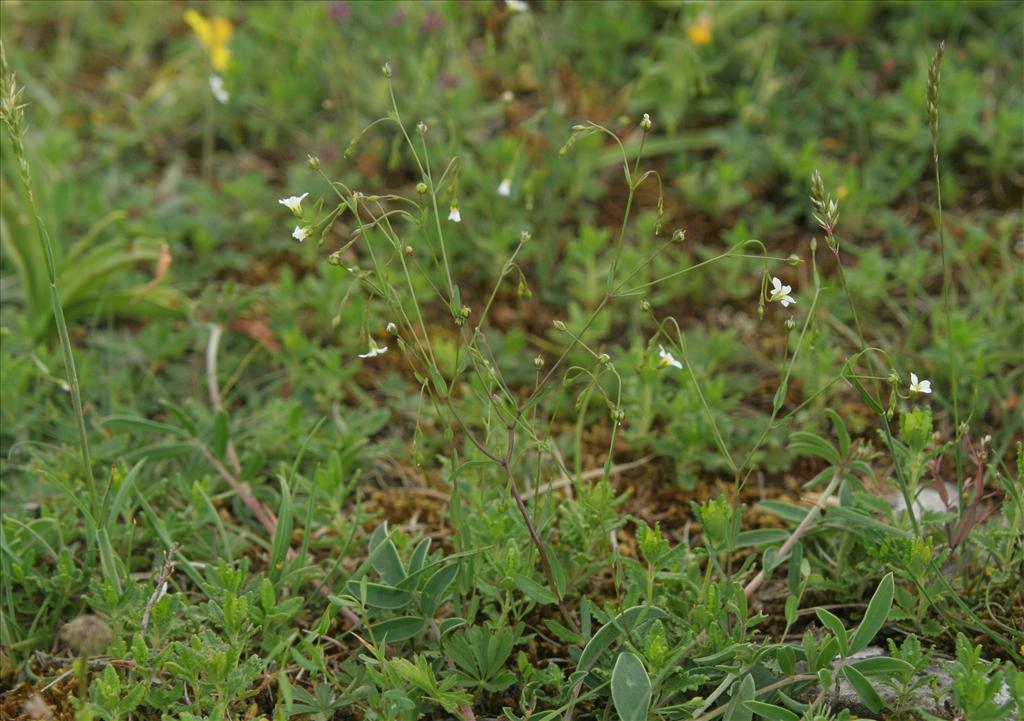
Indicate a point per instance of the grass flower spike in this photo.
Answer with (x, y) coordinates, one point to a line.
(666, 359)
(375, 350)
(294, 203)
(220, 94)
(300, 233)
(505, 188)
(781, 293)
(919, 386)
(214, 34)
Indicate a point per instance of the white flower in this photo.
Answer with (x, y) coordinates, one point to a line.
(505, 188)
(375, 350)
(666, 359)
(300, 233)
(294, 203)
(217, 88)
(391, 328)
(508, 96)
(780, 293)
(517, 6)
(454, 215)
(917, 386)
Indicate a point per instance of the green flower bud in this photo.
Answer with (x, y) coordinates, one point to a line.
(313, 162)
(421, 188)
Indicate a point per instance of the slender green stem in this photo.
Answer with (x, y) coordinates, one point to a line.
(13, 117)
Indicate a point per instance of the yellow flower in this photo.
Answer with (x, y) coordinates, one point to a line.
(214, 34)
(700, 32)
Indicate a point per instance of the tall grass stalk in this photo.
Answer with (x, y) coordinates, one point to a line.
(12, 113)
(947, 271)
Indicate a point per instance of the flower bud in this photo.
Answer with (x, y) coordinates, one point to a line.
(408, 250)
(421, 188)
(391, 328)
(524, 236)
(386, 70)
(646, 123)
(645, 306)
(559, 325)
(523, 289)
(313, 162)
(790, 325)
(604, 359)
(421, 128)
(464, 311)
(794, 260)
(538, 362)
(87, 635)
(618, 415)
(679, 236)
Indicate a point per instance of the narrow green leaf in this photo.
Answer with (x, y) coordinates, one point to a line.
(631, 688)
(435, 587)
(882, 666)
(385, 559)
(221, 435)
(760, 537)
(771, 711)
(282, 535)
(834, 624)
(533, 590)
(135, 423)
(398, 629)
(379, 595)
(874, 618)
(631, 619)
(737, 709)
(864, 689)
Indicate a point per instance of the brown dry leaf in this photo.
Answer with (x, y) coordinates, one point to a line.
(163, 264)
(258, 330)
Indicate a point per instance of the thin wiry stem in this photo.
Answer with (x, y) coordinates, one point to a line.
(947, 271)
(13, 116)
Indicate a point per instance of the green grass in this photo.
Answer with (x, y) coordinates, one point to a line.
(521, 510)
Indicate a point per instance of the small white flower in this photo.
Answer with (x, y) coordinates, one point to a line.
(300, 233)
(454, 215)
(375, 350)
(517, 6)
(221, 95)
(918, 386)
(294, 203)
(666, 359)
(781, 293)
(505, 188)
(508, 96)
(391, 328)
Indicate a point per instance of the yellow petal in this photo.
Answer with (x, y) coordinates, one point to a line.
(220, 56)
(700, 32)
(222, 29)
(200, 26)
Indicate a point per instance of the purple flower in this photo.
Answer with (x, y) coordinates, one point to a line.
(340, 11)
(432, 21)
